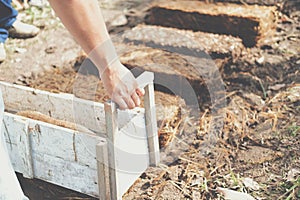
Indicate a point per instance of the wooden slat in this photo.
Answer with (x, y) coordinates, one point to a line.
(61, 156)
(112, 132)
(131, 152)
(128, 153)
(1, 109)
(68, 157)
(61, 106)
(103, 171)
(151, 125)
(25, 143)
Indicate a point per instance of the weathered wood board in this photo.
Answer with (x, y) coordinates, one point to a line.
(61, 106)
(251, 23)
(69, 157)
(61, 156)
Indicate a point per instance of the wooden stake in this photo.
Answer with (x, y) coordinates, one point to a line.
(103, 170)
(26, 150)
(111, 117)
(151, 125)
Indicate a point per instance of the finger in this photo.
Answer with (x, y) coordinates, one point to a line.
(136, 99)
(140, 92)
(121, 103)
(130, 103)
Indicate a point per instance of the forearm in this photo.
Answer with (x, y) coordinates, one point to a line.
(84, 20)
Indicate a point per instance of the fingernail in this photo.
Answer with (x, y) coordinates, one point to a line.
(139, 93)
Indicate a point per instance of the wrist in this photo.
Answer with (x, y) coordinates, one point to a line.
(105, 58)
(114, 68)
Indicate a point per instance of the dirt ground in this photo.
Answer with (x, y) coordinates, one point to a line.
(258, 147)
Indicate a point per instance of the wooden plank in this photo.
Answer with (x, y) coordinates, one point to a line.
(68, 157)
(112, 132)
(61, 156)
(14, 130)
(151, 125)
(103, 171)
(131, 153)
(1, 107)
(61, 106)
(65, 173)
(127, 151)
(251, 23)
(25, 143)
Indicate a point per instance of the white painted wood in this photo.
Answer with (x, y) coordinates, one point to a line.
(14, 129)
(68, 158)
(112, 132)
(72, 159)
(59, 155)
(9, 185)
(1, 108)
(144, 79)
(131, 152)
(128, 151)
(151, 125)
(61, 106)
(25, 144)
(103, 171)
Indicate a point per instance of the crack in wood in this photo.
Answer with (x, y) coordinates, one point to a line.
(74, 148)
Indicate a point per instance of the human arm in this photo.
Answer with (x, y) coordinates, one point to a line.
(85, 22)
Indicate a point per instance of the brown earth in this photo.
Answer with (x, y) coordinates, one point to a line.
(259, 139)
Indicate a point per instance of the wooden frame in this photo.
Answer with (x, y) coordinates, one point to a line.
(92, 160)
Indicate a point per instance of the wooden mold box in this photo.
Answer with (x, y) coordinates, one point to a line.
(103, 157)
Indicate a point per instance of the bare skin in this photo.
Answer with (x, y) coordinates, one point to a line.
(85, 22)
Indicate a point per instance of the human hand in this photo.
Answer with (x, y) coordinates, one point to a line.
(121, 86)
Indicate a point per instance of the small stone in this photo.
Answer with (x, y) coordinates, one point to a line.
(260, 60)
(146, 186)
(196, 195)
(292, 174)
(251, 184)
(17, 60)
(27, 74)
(20, 50)
(121, 20)
(144, 176)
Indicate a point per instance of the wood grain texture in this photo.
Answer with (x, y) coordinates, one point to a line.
(151, 125)
(103, 171)
(58, 155)
(61, 106)
(53, 149)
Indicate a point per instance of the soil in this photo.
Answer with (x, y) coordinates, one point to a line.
(257, 150)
